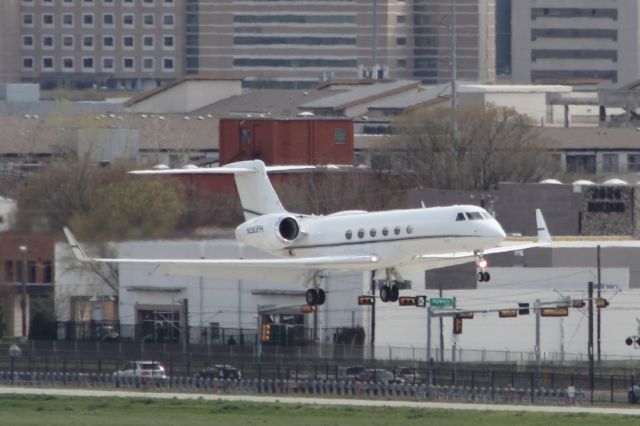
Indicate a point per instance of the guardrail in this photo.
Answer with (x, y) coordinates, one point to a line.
(367, 390)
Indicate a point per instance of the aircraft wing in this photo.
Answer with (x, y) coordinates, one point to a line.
(441, 260)
(232, 267)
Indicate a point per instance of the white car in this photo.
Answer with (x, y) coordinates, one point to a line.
(148, 369)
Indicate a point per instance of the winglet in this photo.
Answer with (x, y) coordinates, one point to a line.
(78, 252)
(543, 232)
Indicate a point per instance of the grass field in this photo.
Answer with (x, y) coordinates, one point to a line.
(91, 411)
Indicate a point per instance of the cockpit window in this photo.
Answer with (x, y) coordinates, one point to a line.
(474, 215)
(460, 217)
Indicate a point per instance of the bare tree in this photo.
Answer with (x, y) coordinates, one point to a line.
(494, 144)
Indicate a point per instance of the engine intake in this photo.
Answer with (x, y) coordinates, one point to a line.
(288, 229)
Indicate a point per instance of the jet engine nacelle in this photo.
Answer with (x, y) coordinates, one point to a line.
(269, 232)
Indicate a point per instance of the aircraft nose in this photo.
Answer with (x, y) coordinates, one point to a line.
(499, 232)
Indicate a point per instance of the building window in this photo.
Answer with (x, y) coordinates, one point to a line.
(47, 2)
(27, 42)
(148, 3)
(67, 64)
(168, 21)
(127, 42)
(128, 64)
(245, 135)
(168, 64)
(340, 136)
(108, 20)
(168, 42)
(47, 42)
(47, 269)
(147, 42)
(401, 63)
(67, 20)
(108, 42)
(401, 19)
(47, 20)
(31, 271)
(8, 271)
(88, 2)
(68, 2)
(147, 64)
(633, 163)
(127, 20)
(579, 163)
(87, 42)
(27, 19)
(27, 63)
(401, 41)
(167, 2)
(47, 63)
(87, 63)
(68, 42)
(108, 2)
(87, 20)
(610, 163)
(108, 64)
(147, 20)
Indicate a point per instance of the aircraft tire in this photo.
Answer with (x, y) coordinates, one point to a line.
(487, 277)
(321, 297)
(480, 277)
(395, 294)
(385, 293)
(312, 297)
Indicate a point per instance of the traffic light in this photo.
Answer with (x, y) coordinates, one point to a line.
(523, 309)
(602, 303)
(578, 303)
(366, 300)
(265, 336)
(457, 325)
(407, 301)
(466, 315)
(508, 313)
(554, 312)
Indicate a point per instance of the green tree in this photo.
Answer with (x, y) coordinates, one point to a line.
(494, 144)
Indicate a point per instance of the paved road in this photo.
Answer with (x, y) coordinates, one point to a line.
(332, 401)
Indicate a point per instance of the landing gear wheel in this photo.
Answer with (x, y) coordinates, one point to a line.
(312, 297)
(487, 277)
(395, 294)
(385, 293)
(480, 277)
(321, 297)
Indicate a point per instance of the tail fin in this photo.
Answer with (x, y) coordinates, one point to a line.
(257, 195)
(543, 232)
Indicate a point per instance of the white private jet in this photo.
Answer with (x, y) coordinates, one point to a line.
(353, 240)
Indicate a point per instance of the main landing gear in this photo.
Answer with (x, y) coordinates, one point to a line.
(481, 263)
(316, 296)
(389, 293)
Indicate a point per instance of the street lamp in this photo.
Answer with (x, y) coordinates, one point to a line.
(14, 352)
(23, 299)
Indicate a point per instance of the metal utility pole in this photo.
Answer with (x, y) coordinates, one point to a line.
(538, 357)
(373, 316)
(441, 330)
(374, 41)
(598, 311)
(454, 72)
(590, 340)
(23, 298)
(429, 362)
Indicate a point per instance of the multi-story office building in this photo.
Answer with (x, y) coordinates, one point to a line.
(114, 43)
(560, 40)
(289, 43)
(475, 40)
(273, 43)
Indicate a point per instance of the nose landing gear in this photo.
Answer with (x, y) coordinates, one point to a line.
(481, 263)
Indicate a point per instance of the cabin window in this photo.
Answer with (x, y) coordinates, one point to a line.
(372, 232)
(360, 233)
(348, 234)
(460, 217)
(385, 231)
(409, 229)
(396, 230)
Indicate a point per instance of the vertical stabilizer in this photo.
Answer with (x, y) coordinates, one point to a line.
(257, 195)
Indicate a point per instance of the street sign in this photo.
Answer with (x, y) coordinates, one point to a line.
(421, 301)
(439, 302)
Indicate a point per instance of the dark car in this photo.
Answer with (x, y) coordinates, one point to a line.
(351, 372)
(379, 376)
(220, 372)
(409, 375)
